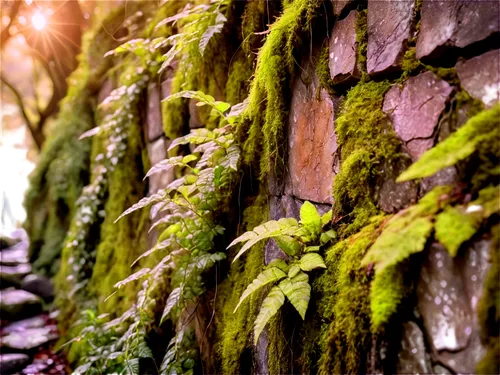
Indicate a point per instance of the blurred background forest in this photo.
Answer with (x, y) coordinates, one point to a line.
(40, 42)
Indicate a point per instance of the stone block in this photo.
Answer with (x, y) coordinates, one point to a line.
(154, 125)
(413, 357)
(343, 51)
(457, 23)
(157, 152)
(339, 5)
(105, 90)
(389, 27)
(312, 142)
(480, 76)
(415, 109)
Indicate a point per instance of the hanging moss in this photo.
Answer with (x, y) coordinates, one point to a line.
(267, 112)
(367, 141)
(362, 41)
(121, 243)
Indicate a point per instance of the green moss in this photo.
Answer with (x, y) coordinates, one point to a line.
(278, 348)
(362, 41)
(121, 243)
(323, 70)
(367, 141)
(386, 293)
(345, 287)
(236, 328)
(269, 99)
(409, 63)
(175, 114)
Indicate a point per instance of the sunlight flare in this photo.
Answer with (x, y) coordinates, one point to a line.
(39, 21)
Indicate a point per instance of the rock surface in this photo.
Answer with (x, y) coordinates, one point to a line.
(154, 124)
(389, 27)
(339, 6)
(446, 314)
(12, 275)
(413, 356)
(480, 76)
(39, 285)
(22, 325)
(16, 304)
(30, 338)
(455, 24)
(157, 152)
(343, 51)
(415, 110)
(12, 362)
(14, 256)
(312, 142)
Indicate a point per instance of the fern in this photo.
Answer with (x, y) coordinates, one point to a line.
(301, 242)
(399, 240)
(270, 306)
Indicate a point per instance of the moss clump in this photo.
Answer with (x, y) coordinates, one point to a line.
(367, 142)
(269, 99)
(323, 70)
(489, 311)
(362, 41)
(346, 305)
(121, 243)
(236, 328)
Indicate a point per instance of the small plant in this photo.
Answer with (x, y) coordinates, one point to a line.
(301, 242)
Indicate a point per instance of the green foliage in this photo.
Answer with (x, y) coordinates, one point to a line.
(398, 241)
(291, 237)
(367, 143)
(479, 132)
(454, 226)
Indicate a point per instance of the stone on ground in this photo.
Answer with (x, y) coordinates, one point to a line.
(30, 338)
(13, 275)
(39, 285)
(17, 304)
(13, 362)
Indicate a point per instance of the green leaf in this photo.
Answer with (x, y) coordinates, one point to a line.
(311, 261)
(135, 276)
(173, 300)
(327, 236)
(326, 218)
(288, 244)
(270, 306)
(454, 227)
(165, 165)
(312, 249)
(298, 292)
(267, 230)
(211, 31)
(309, 217)
(269, 276)
(294, 270)
(398, 241)
(158, 197)
(458, 146)
(279, 263)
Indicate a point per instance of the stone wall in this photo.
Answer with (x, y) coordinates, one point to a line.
(456, 44)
